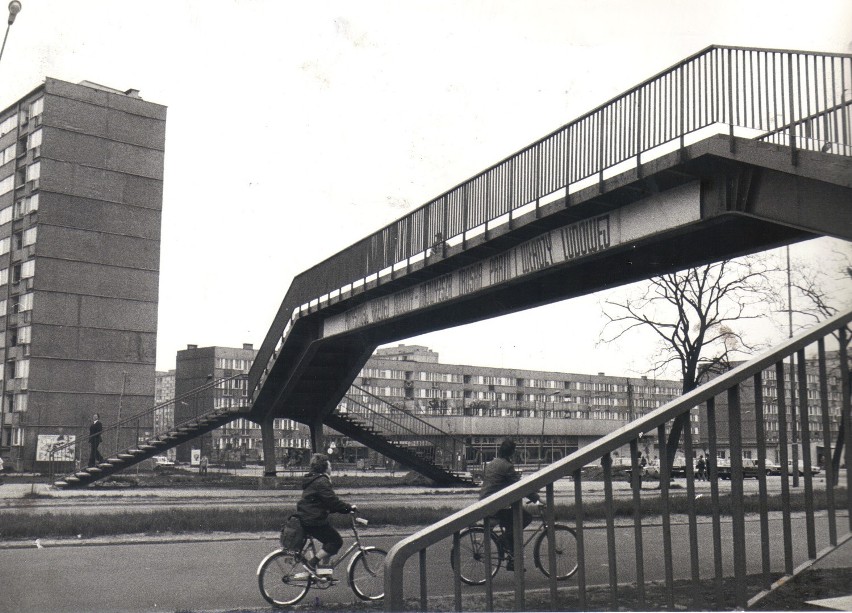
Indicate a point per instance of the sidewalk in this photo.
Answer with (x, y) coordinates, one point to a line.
(822, 586)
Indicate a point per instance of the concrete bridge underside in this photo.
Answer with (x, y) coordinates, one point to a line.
(746, 196)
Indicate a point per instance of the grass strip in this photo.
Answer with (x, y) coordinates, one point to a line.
(25, 525)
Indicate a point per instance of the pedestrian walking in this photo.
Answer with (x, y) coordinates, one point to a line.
(701, 467)
(95, 430)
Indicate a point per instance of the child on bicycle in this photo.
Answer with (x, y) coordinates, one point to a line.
(318, 501)
(499, 473)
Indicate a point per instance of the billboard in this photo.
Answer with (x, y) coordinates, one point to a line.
(48, 442)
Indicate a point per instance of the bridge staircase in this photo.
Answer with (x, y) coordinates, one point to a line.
(401, 436)
(139, 428)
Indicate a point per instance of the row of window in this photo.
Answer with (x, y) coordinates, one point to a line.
(32, 173)
(21, 207)
(36, 108)
(379, 373)
(233, 364)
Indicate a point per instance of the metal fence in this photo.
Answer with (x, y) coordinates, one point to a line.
(627, 558)
(795, 98)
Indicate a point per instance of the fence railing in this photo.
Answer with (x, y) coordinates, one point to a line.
(133, 430)
(767, 555)
(795, 98)
(405, 429)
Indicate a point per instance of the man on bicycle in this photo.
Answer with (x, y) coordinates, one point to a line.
(318, 501)
(499, 473)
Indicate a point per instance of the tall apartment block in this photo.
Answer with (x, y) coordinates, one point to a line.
(81, 189)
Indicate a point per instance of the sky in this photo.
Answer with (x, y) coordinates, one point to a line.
(296, 128)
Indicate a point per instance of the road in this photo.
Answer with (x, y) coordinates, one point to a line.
(220, 576)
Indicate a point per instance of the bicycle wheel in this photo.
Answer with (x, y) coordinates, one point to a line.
(472, 555)
(566, 552)
(367, 573)
(282, 579)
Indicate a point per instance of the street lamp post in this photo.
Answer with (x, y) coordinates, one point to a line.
(14, 9)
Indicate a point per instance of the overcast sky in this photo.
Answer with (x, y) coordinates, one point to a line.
(296, 128)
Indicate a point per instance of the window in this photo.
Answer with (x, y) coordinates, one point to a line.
(28, 269)
(37, 107)
(17, 437)
(23, 206)
(34, 139)
(7, 184)
(8, 124)
(4, 276)
(23, 303)
(33, 171)
(4, 245)
(18, 403)
(7, 154)
(6, 215)
(29, 236)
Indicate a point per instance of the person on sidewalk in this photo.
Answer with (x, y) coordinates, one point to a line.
(317, 503)
(95, 430)
(499, 473)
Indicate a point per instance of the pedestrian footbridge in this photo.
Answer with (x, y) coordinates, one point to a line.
(731, 151)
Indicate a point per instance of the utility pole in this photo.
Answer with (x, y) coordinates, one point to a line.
(794, 429)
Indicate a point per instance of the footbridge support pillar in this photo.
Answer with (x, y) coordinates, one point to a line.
(267, 434)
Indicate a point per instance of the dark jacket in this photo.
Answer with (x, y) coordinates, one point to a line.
(318, 500)
(95, 433)
(498, 474)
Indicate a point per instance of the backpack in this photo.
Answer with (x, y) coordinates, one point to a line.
(293, 535)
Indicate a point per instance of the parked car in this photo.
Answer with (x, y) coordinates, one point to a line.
(751, 470)
(815, 470)
(161, 460)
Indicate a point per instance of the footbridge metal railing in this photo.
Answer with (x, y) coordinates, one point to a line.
(141, 436)
(735, 568)
(794, 98)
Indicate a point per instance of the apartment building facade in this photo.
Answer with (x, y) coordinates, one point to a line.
(549, 414)
(81, 186)
(791, 394)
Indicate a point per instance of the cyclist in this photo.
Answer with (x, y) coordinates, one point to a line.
(318, 501)
(499, 473)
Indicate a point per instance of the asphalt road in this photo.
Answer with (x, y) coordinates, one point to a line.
(220, 576)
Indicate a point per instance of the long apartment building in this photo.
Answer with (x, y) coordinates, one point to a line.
(81, 188)
(550, 414)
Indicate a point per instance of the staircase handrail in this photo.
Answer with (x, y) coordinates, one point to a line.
(427, 425)
(572, 463)
(144, 413)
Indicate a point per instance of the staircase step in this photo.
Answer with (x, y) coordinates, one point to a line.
(125, 456)
(105, 465)
(92, 470)
(147, 447)
(72, 480)
(60, 484)
(82, 475)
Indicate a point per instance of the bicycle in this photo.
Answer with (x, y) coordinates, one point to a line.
(472, 553)
(284, 579)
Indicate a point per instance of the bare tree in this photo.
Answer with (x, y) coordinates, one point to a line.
(699, 316)
(818, 289)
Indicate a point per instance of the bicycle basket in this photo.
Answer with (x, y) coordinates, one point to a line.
(293, 535)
